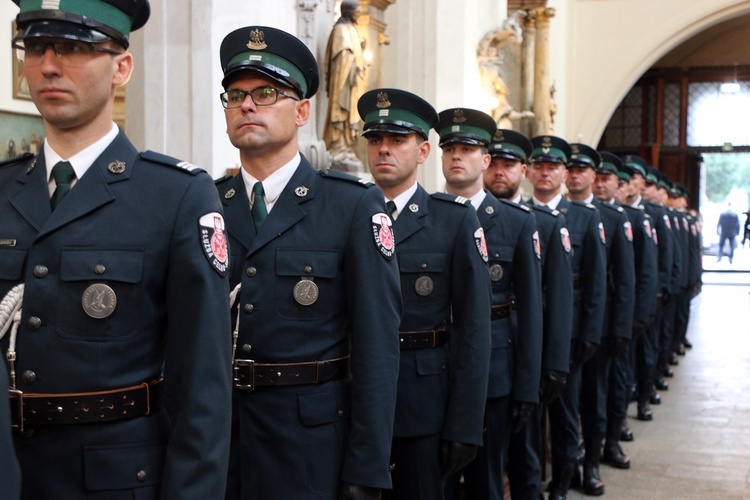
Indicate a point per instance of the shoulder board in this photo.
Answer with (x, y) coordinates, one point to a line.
(613, 207)
(169, 161)
(517, 206)
(16, 160)
(583, 204)
(452, 198)
(223, 179)
(343, 176)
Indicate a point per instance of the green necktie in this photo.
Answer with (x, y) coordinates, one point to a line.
(63, 174)
(259, 206)
(391, 206)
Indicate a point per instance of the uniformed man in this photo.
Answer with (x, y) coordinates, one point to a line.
(509, 151)
(695, 267)
(651, 199)
(611, 174)
(587, 243)
(124, 330)
(445, 327)
(583, 166)
(514, 253)
(316, 355)
(682, 301)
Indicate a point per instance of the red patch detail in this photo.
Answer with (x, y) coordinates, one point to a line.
(481, 244)
(565, 237)
(628, 230)
(214, 241)
(382, 233)
(537, 245)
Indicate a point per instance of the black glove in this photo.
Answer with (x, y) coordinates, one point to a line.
(617, 346)
(521, 413)
(583, 351)
(349, 491)
(639, 329)
(551, 387)
(455, 456)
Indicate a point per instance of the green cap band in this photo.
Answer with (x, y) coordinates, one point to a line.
(102, 12)
(272, 60)
(455, 130)
(638, 168)
(395, 115)
(509, 148)
(623, 175)
(550, 152)
(610, 167)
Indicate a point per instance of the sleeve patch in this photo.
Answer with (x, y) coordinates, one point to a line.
(481, 244)
(382, 233)
(565, 237)
(537, 245)
(628, 230)
(602, 235)
(214, 241)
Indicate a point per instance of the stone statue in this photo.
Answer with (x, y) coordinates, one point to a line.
(504, 114)
(345, 74)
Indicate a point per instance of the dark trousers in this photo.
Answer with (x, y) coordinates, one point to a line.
(681, 317)
(483, 477)
(646, 354)
(563, 417)
(665, 337)
(620, 381)
(524, 459)
(593, 398)
(417, 474)
(732, 244)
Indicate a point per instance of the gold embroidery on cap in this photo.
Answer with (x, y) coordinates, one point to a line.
(458, 116)
(574, 148)
(499, 137)
(547, 142)
(383, 101)
(257, 40)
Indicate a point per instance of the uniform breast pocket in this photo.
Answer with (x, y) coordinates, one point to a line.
(101, 295)
(420, 273)
(500, 262)
(309, 284)
(11, 264)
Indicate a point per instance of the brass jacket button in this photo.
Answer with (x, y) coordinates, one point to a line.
(34, 323)
(41, 271)
(251, 271)
(28, 377)
(142, 475)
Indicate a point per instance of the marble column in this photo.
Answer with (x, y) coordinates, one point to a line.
(542, 96)
(528, 48)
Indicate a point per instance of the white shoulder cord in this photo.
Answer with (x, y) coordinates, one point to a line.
(236, 333)
(10, 318)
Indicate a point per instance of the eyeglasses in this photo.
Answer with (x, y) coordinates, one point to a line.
(69, 53)
(261, 96)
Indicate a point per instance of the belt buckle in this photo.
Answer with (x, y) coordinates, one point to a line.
(250, 387)
(18, 414)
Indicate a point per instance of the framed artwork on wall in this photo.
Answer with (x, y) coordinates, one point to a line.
(20, 87)
(20, 134)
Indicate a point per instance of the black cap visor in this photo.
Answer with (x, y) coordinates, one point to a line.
(463, 139)
(273, 72)
(68, 27)
(393, 127)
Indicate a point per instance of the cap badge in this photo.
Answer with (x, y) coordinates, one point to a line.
(301, 191)
(257, 40)
(547, 142)
(458, 116)
(383, 101)
(499, 137)
(116, 167)
(574, 148)
(629, 159)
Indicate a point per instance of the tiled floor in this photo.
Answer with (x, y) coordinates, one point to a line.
(698, 444)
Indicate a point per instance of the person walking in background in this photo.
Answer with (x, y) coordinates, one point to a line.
(728, 229)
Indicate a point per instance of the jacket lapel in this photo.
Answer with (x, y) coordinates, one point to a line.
(237, 208)
(92, 190)
(32, 201)
(411, 219)
(288, 210)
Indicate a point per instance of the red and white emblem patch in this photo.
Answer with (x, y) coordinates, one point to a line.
(382, 233)
(628, 230)
(214, 241)
(481, 244)
(602, 235)
(676, 223)
(694, 230)
(537, 245)
(666, 221)
(647, 227)
(685, 224)
(565, 236)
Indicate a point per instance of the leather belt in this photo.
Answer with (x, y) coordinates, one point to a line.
(502, 311)
(249, 374)
(37, 409)
(429, 339)
(576, 282)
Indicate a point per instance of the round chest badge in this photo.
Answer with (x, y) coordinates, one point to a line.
(424, 286)
(306, 292)
(496, 272)
(99, 301)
